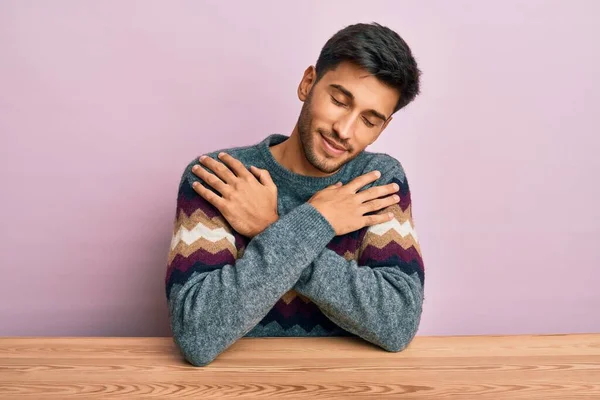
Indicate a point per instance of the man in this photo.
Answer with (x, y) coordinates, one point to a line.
(306, 235)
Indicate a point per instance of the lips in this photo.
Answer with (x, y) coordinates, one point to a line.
(334, 146)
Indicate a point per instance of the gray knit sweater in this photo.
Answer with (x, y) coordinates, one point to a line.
(296, 278)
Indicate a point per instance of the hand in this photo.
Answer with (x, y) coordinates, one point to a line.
(248, 201)
(344, 209)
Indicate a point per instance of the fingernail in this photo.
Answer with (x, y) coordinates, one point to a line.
(377, 174)
(221, 154)
(195, 168)
(396, 198)
(202, 158)
(396, 187)
(195, 184)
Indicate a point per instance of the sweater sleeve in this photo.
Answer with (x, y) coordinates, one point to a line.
(219, 284)
(380, 296)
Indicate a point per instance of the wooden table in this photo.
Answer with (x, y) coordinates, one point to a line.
(460, 367)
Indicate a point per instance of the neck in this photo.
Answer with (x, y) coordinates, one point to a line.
(290, 154)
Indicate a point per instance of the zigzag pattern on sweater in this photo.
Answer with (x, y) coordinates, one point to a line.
(203, 241)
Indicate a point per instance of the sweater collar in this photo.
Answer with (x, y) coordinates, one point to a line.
(312, 183)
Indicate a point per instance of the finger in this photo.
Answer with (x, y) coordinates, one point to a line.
(377, 191)
(220, 169)
(335, 185)
(363, 180)
(235, 165)
(209, 196)
(265, 178)
(370, 220)
(262, 175)
(257, 172)
(210, 179)
(379, 204)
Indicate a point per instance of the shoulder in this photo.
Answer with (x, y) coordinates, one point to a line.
(246, 154)
(390, 167)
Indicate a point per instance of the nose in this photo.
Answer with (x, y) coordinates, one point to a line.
(344, 126)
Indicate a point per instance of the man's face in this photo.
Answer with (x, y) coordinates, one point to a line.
(347, 107)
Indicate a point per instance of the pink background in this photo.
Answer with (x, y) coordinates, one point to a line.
(102, 105)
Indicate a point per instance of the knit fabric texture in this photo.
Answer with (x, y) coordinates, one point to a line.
(296, 278)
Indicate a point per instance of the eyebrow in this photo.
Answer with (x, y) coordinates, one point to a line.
(349, 94)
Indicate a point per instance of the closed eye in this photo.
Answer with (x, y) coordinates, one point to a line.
(368, 123)
(340, 104)
(337, 103)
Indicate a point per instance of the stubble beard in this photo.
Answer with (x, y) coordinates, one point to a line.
(307, 140)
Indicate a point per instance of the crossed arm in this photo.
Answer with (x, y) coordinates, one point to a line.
(221, 283)
(379, 296)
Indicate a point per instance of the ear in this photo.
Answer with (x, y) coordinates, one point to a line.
(307, 82)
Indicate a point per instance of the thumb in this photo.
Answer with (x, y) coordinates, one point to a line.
(335, 185)
(263, 176)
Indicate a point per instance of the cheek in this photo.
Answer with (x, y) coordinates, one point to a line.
(324, 112)
(360, 142)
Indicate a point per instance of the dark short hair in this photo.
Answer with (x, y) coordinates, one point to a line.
(380, 51)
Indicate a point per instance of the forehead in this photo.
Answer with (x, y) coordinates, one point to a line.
(368, 91)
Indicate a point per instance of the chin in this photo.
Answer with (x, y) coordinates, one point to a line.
(330, 165)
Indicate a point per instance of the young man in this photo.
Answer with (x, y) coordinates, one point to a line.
(306, 235)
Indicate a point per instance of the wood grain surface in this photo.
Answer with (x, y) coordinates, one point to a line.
(458, 367)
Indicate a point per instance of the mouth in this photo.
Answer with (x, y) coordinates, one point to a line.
(332, 148)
